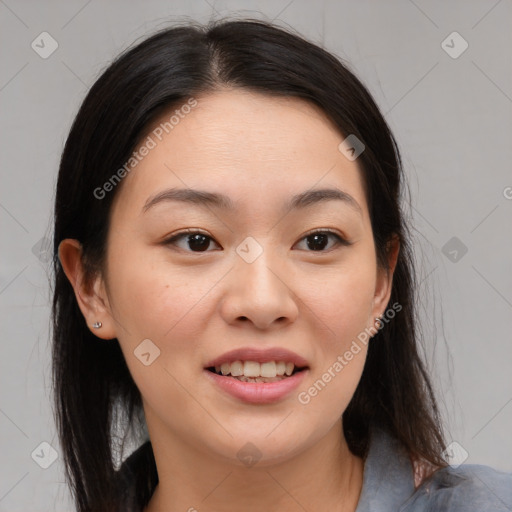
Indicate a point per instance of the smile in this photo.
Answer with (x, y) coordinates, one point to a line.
(252, 371)
(256, 375)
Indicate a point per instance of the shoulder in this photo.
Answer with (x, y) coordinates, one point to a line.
(389, 483)
(465, 488)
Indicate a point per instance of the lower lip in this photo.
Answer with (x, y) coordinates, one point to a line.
(258, 392)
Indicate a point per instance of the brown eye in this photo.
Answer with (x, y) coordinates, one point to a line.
(319, 240)
(191, 241)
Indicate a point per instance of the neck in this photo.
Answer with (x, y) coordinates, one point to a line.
(324, 475)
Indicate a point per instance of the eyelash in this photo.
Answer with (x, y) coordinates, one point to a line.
(340, 240)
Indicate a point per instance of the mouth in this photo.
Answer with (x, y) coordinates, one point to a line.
(257, 376)
(255, 388)
(253, 371)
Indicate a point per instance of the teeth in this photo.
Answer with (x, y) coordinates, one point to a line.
(237, 368)
(260, 379)
(252, 369)
(270, 369)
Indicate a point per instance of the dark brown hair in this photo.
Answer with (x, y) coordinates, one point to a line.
(91, 379)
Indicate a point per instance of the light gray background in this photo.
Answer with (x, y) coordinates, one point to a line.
(452, 118)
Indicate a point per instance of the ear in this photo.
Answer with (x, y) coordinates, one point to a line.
(384, 282)
(90, 292)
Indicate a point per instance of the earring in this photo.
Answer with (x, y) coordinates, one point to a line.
(97, 325)
(379, 321)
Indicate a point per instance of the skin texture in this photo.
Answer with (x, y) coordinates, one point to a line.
(195, 306)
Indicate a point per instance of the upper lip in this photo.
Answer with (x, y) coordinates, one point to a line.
(260, 356)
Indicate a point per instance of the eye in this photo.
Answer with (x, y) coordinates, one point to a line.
(319, 239)
(195, 241)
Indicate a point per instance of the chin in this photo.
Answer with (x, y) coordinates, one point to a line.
(256, 447)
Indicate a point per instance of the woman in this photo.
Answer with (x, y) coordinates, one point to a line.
(233, 273)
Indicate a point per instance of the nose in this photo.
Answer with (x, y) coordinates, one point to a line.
(260, 293)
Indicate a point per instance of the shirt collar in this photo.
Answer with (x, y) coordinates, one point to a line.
(388, 479)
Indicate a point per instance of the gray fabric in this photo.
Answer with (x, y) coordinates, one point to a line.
(388, 479)
(388, 484)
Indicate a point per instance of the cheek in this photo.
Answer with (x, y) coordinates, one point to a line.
(331, 387)
(153, 298)
(341, 299)
(340, 346)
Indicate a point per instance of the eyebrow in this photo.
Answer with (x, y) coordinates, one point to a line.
(221, 201)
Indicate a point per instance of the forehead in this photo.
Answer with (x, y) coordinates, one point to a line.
(246, 145)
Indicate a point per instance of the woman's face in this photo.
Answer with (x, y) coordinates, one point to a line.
(253, 278)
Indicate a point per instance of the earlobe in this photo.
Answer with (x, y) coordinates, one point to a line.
(88, 290)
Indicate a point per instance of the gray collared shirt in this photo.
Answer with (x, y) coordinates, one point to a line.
(388, 483)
